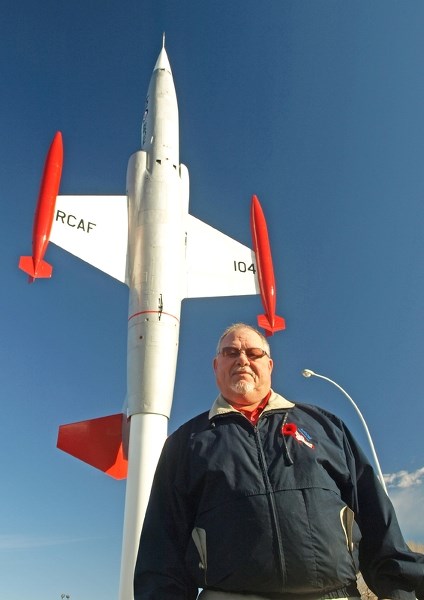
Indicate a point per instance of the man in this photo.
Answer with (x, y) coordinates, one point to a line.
(264, 498)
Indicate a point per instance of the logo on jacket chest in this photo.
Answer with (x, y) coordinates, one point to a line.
(298, 433)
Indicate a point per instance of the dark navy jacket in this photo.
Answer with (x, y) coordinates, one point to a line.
(287, 508)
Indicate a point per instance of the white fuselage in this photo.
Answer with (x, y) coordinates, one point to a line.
(157, 207)
(157, 189)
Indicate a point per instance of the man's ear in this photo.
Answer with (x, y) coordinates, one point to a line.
(214, 364)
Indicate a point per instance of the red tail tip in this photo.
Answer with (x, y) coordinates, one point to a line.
(277, 324)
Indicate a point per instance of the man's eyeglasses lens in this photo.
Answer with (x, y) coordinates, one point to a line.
(251, 353)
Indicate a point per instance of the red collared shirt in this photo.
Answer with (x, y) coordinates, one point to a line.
(253, 415)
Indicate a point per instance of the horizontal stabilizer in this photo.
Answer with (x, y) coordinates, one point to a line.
(44, 269)
(270, 328)
(98, 442)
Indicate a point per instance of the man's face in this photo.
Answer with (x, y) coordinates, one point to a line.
(242, 381)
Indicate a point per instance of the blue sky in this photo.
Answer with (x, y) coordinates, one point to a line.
(317, 107)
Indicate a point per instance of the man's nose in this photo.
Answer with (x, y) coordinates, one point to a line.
(242, 359)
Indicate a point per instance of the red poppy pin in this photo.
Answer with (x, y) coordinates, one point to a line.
(299, 435)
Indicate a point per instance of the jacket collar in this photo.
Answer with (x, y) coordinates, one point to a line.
(222, 407)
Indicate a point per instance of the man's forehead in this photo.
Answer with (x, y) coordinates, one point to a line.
(243, 334)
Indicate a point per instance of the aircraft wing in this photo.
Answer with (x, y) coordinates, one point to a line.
(217, 265)
(95, 229)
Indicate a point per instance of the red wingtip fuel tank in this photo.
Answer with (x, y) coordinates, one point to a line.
(34, 265)
(270, 322)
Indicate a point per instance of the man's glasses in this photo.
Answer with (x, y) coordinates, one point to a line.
(251, 353)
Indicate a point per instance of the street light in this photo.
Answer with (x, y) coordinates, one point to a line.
(308, 373)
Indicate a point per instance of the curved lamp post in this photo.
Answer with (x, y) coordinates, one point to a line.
(308, 373)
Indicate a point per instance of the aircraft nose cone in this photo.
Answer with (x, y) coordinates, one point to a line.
(163, 61)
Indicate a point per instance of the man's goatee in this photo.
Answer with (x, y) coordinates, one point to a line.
(243, 387)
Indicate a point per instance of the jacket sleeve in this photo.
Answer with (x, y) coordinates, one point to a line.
(389, 567)
(160, 572)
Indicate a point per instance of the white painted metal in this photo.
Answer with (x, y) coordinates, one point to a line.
(155, 270)
(217, 265)
(148, 433)
(85, 226)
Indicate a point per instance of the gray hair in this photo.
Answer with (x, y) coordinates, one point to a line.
(244, 326)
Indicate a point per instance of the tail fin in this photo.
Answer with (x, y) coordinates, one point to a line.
(270, 328)
(43, 269)
(98, 442)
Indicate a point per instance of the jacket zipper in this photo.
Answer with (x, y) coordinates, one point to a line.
(270, 494)
(273, 510)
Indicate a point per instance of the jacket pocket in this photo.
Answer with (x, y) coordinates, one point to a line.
(199, 538)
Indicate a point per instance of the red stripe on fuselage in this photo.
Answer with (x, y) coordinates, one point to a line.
(156, 312)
